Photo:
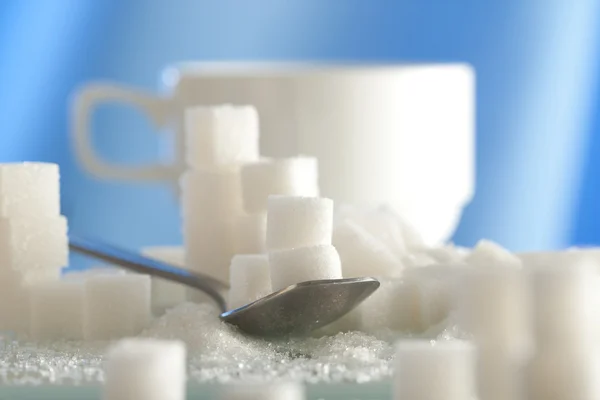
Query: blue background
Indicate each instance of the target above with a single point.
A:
(538, 183)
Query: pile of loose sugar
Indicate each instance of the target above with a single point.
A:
(217, 353)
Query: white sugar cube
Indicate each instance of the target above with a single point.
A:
(31, 248)
(442, 370)
(385, 225)
(487, 253)
(84, 274)
(563, 376)
(564, 296)
(418, 260)
(494, 307)
(250, 234)
(250, 279)
(289, 267)
(448, 254)
(538, 258)
(166, 294)
(15, 310)
(209, 249)
(211, 206)
(290, 177)
(221, 135)
(298, 221)
(116, 306)
(362, 254)
(197, 296)
(437, 287)
(395, 305)
(211, 195)
(29, 190)
(498, 375)
(57, 310)
(145, 369)
(272, 391)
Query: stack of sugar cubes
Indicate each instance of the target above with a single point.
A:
(225, 198)
(299, 235)
(35, 300)
(219, 140)
(33, 238)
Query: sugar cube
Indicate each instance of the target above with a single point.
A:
(166, 294)
(84, 274)
(298, 221)
(437, 287)
(487, 253)
(197, 296)
(146, 369)
(448, 254)
(173, 255)
(57, 310)
(250, 279)
(211, 195)
(537, 258)
(272, 391)
(498, 375)
(116, 306)
(296, 176)
(209, 249)
(558, 375)
(427, 370)
(211, 205)
(494, 308)
(301, 264)
(29, 190)
(30, 248)
(564, 303)
(250, 234)
(386, 225)
(418, 260)
(362, 254)
(15, 310)
(221, 135)
(395, 306)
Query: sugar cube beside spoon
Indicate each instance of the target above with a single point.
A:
(294, 310)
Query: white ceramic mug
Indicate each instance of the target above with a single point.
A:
(396, 134)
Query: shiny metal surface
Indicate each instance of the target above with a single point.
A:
(295, 310)
(301, 308)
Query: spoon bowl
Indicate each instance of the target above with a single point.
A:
(300, 309)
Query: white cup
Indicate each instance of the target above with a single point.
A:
(401, 135)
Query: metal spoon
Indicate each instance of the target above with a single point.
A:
(295, 310)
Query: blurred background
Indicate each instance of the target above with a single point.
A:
(538, 125)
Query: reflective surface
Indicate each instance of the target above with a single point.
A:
(301, 308)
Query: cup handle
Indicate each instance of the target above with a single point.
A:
(156, 108)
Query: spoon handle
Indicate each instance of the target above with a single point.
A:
(144, 265)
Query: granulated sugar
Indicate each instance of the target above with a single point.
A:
(218, 353)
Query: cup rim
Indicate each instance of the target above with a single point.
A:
(172, 73)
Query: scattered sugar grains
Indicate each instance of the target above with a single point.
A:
(218, 353)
